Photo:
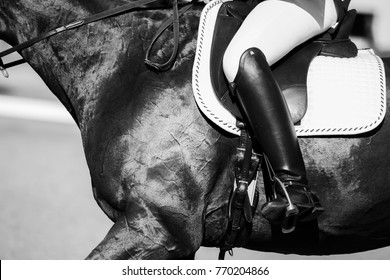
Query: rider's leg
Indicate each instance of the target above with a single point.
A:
(268, 33)
(276, 27)
(264, 107)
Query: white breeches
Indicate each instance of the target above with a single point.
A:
(276, 27)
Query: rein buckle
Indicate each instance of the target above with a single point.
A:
(3, 69)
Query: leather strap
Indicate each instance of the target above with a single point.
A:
(240, 208)
(75, 24)
(161, 67)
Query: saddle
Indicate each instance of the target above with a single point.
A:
(329, 89)
(291, 72)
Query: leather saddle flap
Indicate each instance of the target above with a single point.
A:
(229, 18)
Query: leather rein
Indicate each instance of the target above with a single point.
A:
(174, 20)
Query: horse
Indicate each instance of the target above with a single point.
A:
(162, 172)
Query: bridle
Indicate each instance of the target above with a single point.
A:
(174, 20)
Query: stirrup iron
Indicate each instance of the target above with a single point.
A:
(291, 215)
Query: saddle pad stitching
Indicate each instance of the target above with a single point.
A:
(357, 129)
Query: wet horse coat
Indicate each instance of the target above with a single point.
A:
(159, 170)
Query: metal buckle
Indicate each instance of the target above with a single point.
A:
(3, 69)
(4, 72)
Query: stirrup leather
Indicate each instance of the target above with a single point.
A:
(244, 198)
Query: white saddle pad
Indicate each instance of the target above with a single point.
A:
(345, 95)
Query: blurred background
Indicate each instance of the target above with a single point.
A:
(47, 210)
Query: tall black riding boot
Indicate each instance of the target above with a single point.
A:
(264, 107)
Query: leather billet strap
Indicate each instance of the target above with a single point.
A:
(84, 21)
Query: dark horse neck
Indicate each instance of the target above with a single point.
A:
(101, 46)
(159, 170)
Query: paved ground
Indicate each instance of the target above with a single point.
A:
(46, 206)
(47, 209)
